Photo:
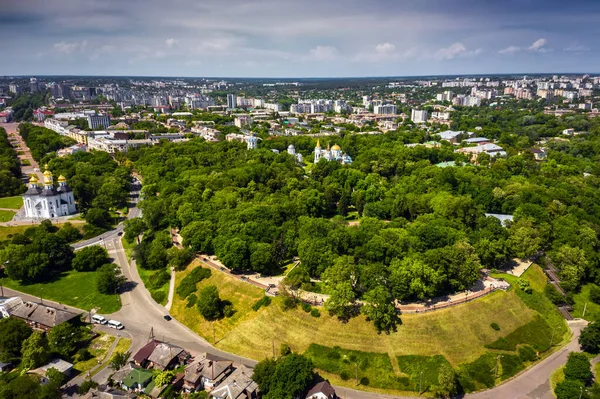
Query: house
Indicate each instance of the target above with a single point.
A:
(159, 355)
(206, 372)
(41, 317)
(322, 390)
(136, 380)
(239, 385)
(453, 136)
(478, 140)
(61, 365)
(104, 392)
(491, 149)
(539, 154)
(8, 304)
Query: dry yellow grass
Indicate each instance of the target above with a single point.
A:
(458, 333)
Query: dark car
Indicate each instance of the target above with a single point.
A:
(167, 317)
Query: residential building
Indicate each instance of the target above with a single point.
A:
(242, 121)
(40, 317)
(321, 390)
(96, 121)
(41, 113)
(238, 385)
(492, 150)
(272, 106)
(539, 154)
(33, 85)
(60, 365)
(159, 355)
(418, 116)
(445, 96)
(231, 101)
(63, 152)
(49, 201)
(585, 106)
(454, 136)
(136, 380)
(6, 115)
(387, 109)
(105, 392)
(14, 88)
(206, 372)
(440, 116)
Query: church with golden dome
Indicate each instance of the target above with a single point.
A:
(331, 154)
(48, 201)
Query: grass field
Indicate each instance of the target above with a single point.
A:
(423, 342)
(7, 232)
(161, 293)
(6, 216)
(11, 202)
(98, 348)
(77, 289)
(592, 310)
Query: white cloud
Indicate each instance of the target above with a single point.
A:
(323, 53)
(70, 47)
(538, 45)
(509, 50)
(382, 52)
(170, 42)
(577, 48)
(385, 48)
(455, 50)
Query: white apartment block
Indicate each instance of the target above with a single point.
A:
(418, 116)
(445, 96)
(95, 121)
(388, 109)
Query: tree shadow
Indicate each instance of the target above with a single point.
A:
(128, 286)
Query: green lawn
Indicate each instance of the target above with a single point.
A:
(161, 294)
(557, 377)
(592, 310)
(128, 248)
(77, 289)
(6, 216)
(11, 202)
(98, 348)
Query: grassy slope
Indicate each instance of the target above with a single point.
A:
(6, 216)
(98, 348)
(592, 310)
(76, 289)
(250, 333)
(11, 202)
(145, 276)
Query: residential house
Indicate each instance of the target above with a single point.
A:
(492, 150)
(104, 392)
(239, 385)
(41, 317)
(206, 372)
(160, 355)
(58, 364)
(539, 154)
(453, 136)
(478, 140)
(136, 380)
(322, 390)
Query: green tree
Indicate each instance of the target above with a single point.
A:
(179, 258)
(55, 377)
(119, 359)
(63, 339)
(590, 338)
(23, 387)
(35, 351)
(98, 217)
(109, 279)
(263, 373)
(235, 254)
(447, 383)
(262, 259)
(578, 368)
(379, 307)
(209, 303)
(13, 332)
(569, 389)
(291, 377)
(90, 258)
(162, 378)
(341, 300)
(134, 228)
(572, 264)
(524, 239)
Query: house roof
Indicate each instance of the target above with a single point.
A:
(323, 387)
(137, 376)
(143, 354)
(58, 364)
(41, 314)
(236, 385)
(207, 366)
(163, 354)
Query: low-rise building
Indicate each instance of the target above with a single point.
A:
(60, 365)
(41, 317)
(159, 355)
(321, 390)
(238, 385)
(206, 372)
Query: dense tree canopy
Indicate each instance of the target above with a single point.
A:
(10, 168)
(42, 141)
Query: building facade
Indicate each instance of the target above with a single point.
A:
(49, 201)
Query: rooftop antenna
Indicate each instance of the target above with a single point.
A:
(151, 336)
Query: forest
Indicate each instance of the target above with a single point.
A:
(10, 168)
(422, 232)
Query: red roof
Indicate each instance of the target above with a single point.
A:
(143, 354)
(5, 113)
(43, 111)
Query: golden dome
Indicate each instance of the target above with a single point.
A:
(336, 148)
(62, 179)
(33, 179)
(318, 143)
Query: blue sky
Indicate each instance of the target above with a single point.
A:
(284, 38)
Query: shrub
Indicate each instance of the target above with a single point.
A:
(228, 310)
(83, 354)
(86, 386)
(344, 375)
(158, 279)
(335, 355)
(364, 381)
(578, 368)
(527, 354)
(288, 303)
(568, 389)
(479, 370)
(264, 301)
(511, 365)
(306, 307)
(284, 349)
(595, 294)
(495, 326)
(554, 296)
(159, 296)
(315, 313)
(590, 338)
(524, 285)
(191, 300)
(188, 284)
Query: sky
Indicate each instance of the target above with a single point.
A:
(307, 38)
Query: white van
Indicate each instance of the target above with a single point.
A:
(98, 319)
(115, 324)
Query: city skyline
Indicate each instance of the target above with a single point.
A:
(270, 38)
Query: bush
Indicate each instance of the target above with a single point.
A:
(554, 296)
(284, 350)
(315, 313)
(590, 338)
(83, 354)
(158, 279)
(568, 389)
(191, 300)
(479, 370)
(288, 303)
(364, 381)
(228, 310)
(595, 294)
(306, 307)
(264, 301)
(86, 386)
(511, 365)
(188, 284)
(527, 354)
(159, 296)
(344, 375)
(495, 326)
(524, 285)
(578, 368)
(209, 303)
